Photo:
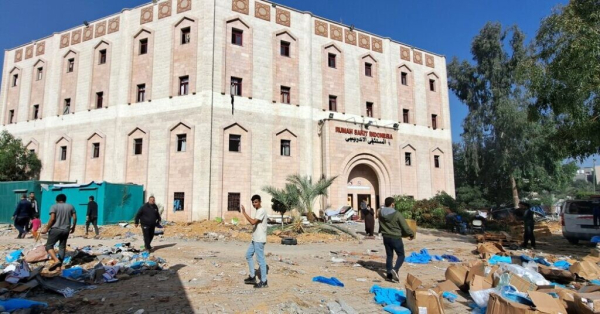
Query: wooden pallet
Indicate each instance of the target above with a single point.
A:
(503, 238)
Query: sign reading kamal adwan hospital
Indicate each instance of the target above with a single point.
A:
(369, 137)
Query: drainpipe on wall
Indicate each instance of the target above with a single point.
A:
(212, 103)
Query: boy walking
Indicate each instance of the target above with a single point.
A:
(58, 228)
(393, 227)
(92, 217)
(257, 246)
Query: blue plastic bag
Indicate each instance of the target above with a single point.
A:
(451, 297)
(450, 258)
(595, 282)
(526, 258)
(388, 296)
(73, 272)
(564, 265)
(396, 309)
(542, 260)
(330, 281)
(13, 256)
(595, 239)
(437, 258)
(495, 259)
(422, 257)
(17, 304)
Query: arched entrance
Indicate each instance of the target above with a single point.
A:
(363, 185)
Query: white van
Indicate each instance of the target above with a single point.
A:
(577, 220)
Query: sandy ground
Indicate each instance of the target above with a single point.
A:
(206, 276)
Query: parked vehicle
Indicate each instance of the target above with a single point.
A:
(343, 214)
(577, 220)
(478, 224)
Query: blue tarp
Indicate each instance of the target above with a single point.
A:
(451, 258)
(419, 258)
(495, 259)
(17, 304)
(13, 256)
(542, 260)
(388, 296)
(330, 281)
(562, 265)
(396, 309)
(451, 297)
(595, 239)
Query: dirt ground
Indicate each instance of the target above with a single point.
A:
(205, 274)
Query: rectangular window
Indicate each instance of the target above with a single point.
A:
(285, 49)
(368, 68)
(96, 150)
(141, 92)
(184, 85)
(237, 37)
(11, 116)
(40, 73)
(407, 160)
(36, 111)
(434, 121)
(235, 143)
(432, 85)
(99, 99)
(137, 146)
(370, 109)
(32, 151)
(181, 142)
(404, 78)
(186, 35)
(102, 57)
(70, 65)
(15, 80)
(236, 86)
(144, 46)
(67, 108)
(331, 60)
(436, 161)
(233, 202)
(285, 95)
(63, 153)
(332, 103)
(285, 147)
(405, 118)
(178, 201)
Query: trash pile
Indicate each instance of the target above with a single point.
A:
(503, 282)
(26, 272)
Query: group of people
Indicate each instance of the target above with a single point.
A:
(26, 217)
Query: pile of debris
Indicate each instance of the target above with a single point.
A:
(25, 272)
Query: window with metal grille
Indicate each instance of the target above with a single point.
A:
(102, 58)
(436, 161)
(137, 146)
(331, 60)
(284, 49)
(144, 46)
(181, 142)
(96, 150)
(70, 65)
(285, 94)
(370, 109)
(141, 92)
(368, 69)
(236, 86)
(178, 201)
(233, 202)
(235, 143)
(407, 160)
(40, 73)
(63, 153)
(404, 78)
(405, 117)
(332, 103)
(434, 121)
(186, 35)
(286, 147)
(67, 108)
(99, 99)
(184, 85)
(237, 37)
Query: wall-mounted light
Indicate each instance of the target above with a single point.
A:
(396, 126)
(331, 116)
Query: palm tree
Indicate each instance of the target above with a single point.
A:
(284, 199)
(308, 192)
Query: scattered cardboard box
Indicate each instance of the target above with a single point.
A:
(522, 284)
(595, 252)
(545, 303)
(490, 247)
(457, 274)
(446, 286)
(477, 269)
(419, 298)
(557, 275)
(589, 289)
(587, 303)
(480, 283)
(586, 270)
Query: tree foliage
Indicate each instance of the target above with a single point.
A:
(565, 76)
(17, 163)
(283, 200)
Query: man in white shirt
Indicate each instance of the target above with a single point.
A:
(257, 246)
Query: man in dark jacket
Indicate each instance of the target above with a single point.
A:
(22, 216)
(529, 224)
(92, 216)
(149, 217)
(393, 227)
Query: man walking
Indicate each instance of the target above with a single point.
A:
(529, 224)
(22, 216)
(149, 217)
(58, 229)
(393, 227)
(92, 217)
(257, 246)
(34, 203)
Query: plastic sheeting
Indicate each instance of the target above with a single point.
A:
(330, 281)
(17, 304)
(422, 257)
(496, 259)
(388, 296)
(564, 265)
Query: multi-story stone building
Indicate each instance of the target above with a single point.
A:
(204, 102)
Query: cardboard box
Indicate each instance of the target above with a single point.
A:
(523, 285)
(457, 274)
(419, 298)
(543, 304)
(480, 283)
(589, 289)
(412, 224)
(446, 286)
(586, 269)
(477, 269)
(490, 247)
(593, 298)
(557, 275)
